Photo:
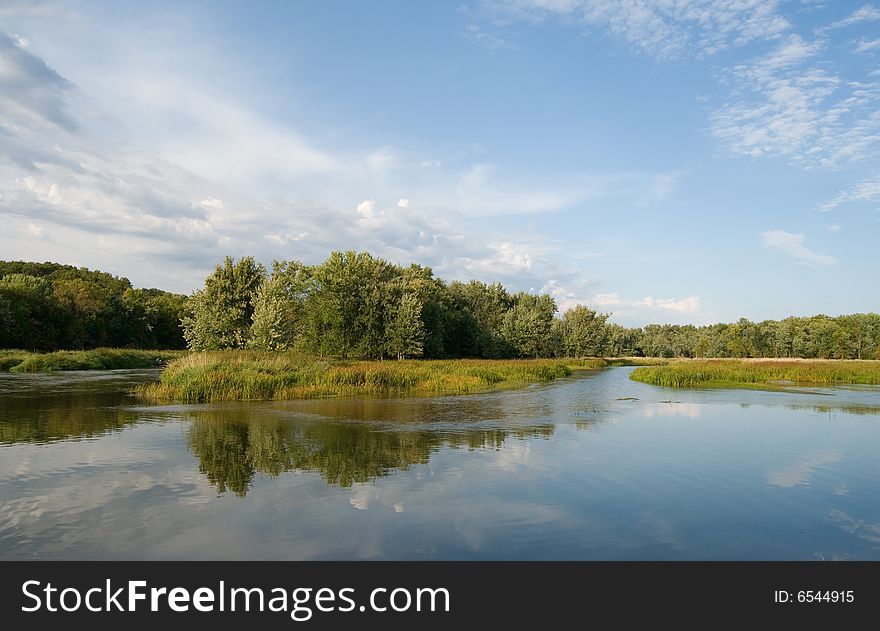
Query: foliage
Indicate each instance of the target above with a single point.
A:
(854, 336)
(355, 305)
(47, 306)
(406, 333)
(275, 311)
(584, 332)
(527, 326)
(219, 315)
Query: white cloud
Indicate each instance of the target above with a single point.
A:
(489, 41)
(662, 186)
(403, 203)
(484, 190)
(866, 191)
(790, 109)
(606, 300)
(835, 227)
(211, 202)
(664, 29)
(626, 311)
(792, 244)
(690, 304)
(478, 192)
(144, 167)
(286, 238)
(790, 103)
(366, 208)
(505, 259)
(867, 45)
(867, 13)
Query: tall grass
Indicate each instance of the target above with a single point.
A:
(95, 359)
(761, 373)
(252, 375)
(12, 357)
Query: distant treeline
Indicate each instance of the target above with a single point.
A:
(357, 305)
(354, 305)
(47, 306)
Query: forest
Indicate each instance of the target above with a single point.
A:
(355, 305)
(48, 307)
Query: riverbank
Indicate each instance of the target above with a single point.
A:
(766, 374)
(95, 359)
(257, 375)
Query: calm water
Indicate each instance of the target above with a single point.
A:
(590, 467)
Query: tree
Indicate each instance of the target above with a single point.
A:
(584, 332)
(32, 316)
(47, 306)
(406, 333)
(527, 327)
(220, 315)
(272, 328)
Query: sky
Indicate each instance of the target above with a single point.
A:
(664, 161)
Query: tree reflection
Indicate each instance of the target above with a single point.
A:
(50, 416)
(231, 451)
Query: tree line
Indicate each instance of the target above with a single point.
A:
(355, 305)
(359, 306)
(47, 306)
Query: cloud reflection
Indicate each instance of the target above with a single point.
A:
(801, 471)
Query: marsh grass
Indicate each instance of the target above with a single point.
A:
(765, 374)
(12, 357)
(255, 375)
(95, 359)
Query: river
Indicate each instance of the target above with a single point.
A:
(594, 466)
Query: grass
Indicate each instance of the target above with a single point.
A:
(95, 359)
(768, 374)
(255, 375)
(10, 358)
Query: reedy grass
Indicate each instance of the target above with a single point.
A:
(94, 359)
(256, 375)
(12, 357)
(770, 374)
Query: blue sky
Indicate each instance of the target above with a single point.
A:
(666, 161)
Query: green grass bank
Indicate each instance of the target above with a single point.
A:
(95, 359)
(257, 375)
(758, 373)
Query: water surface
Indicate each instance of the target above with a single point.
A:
(589, 467)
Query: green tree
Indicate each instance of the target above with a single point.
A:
(273, 326)
(220, 315)
(279, 307)
(585, 333)
(527, 327)
(406, 334)
(32, 315)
